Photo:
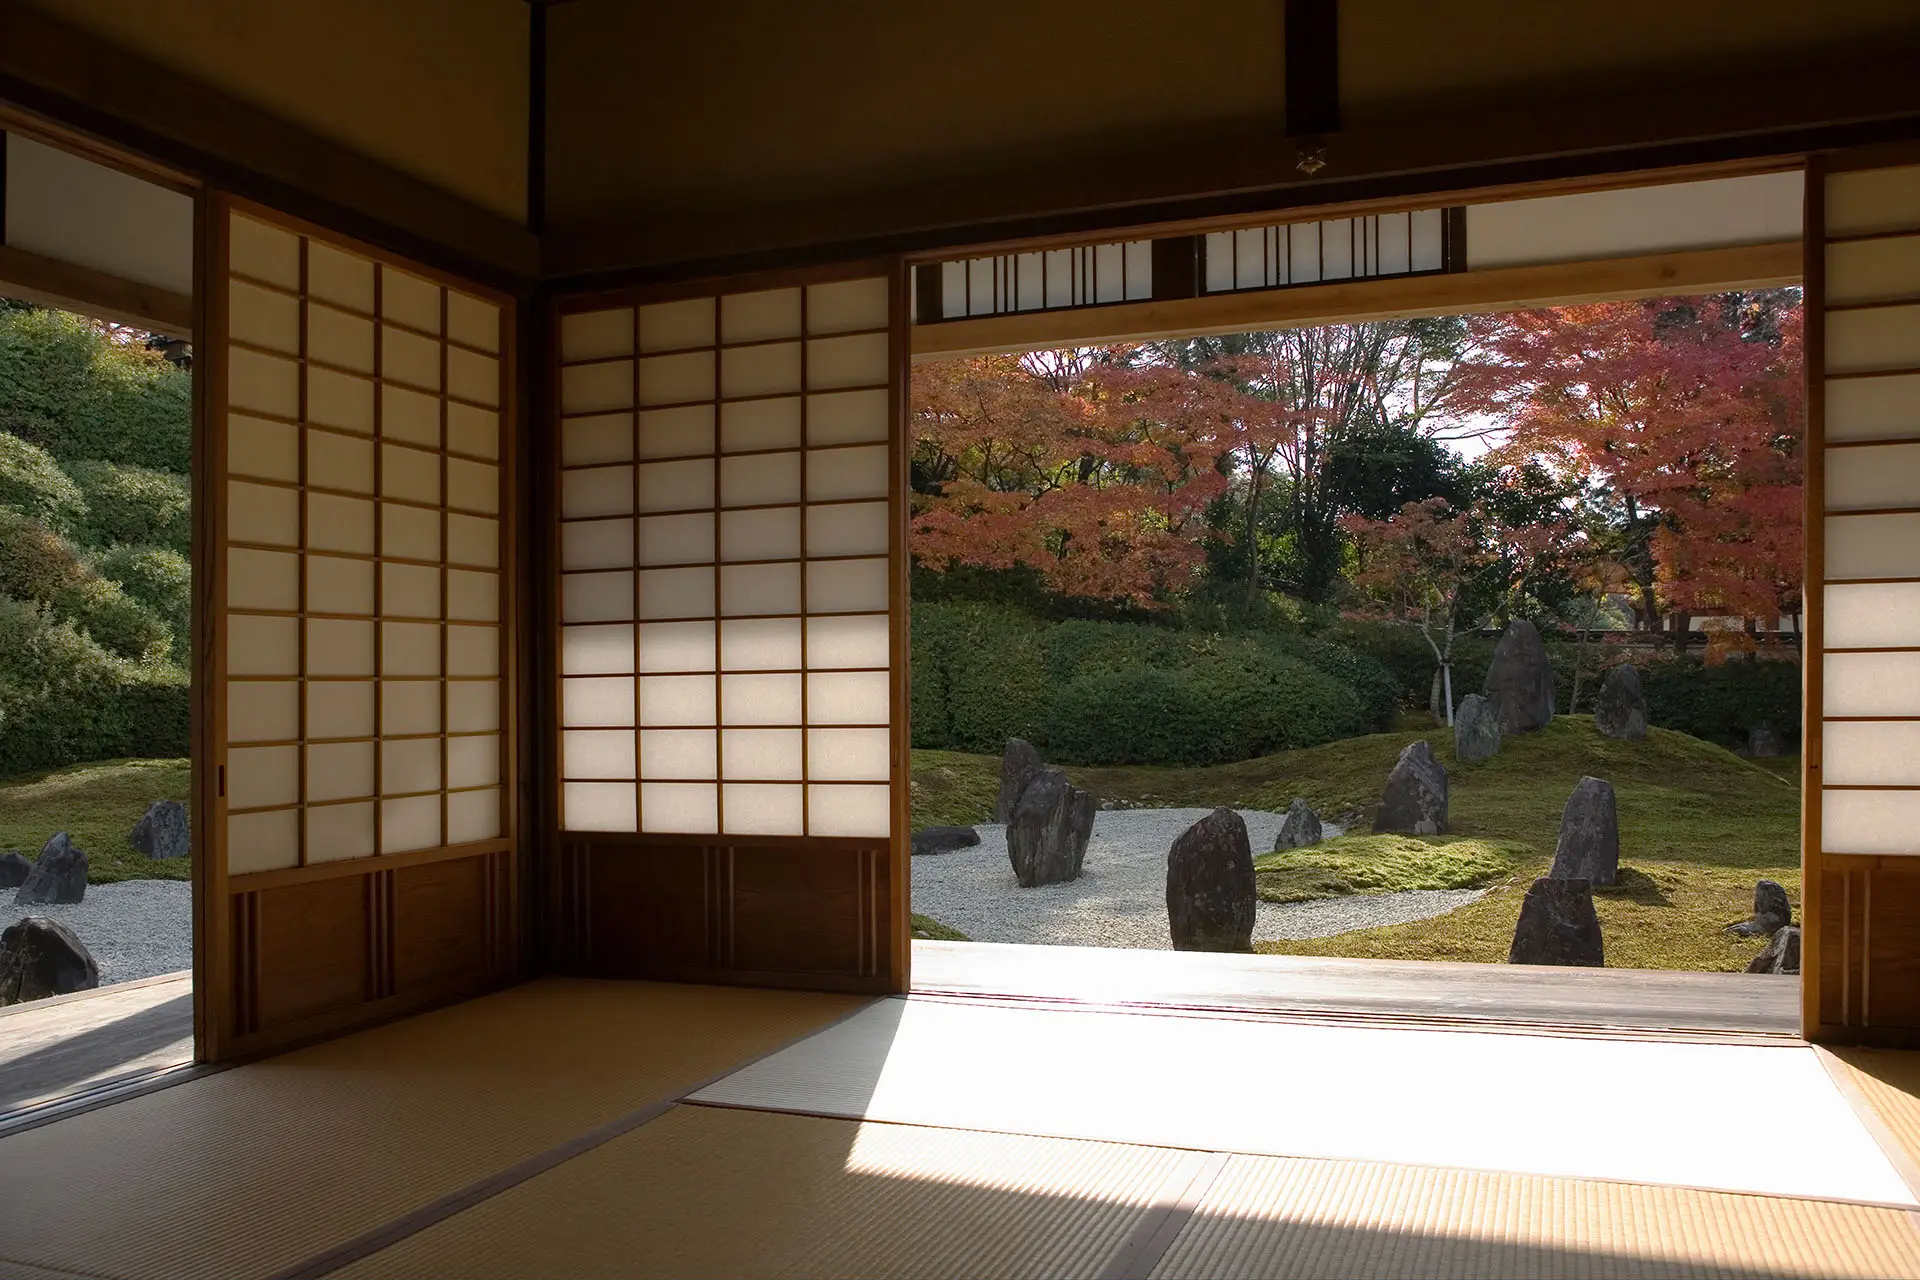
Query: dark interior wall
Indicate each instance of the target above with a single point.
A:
(761, 126)
(436, 89)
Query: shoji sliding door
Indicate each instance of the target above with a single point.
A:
(1862, 797)
(361, 771)
(730, 635)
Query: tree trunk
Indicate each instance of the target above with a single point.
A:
(1446, 681)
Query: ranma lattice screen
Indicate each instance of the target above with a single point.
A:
(363, 645)
(726, 582)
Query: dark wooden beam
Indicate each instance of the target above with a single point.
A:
(54, 283)
(1312, 67)
(63, 80)
(1443, 154)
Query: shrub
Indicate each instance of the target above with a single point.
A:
(1723, 703)
(133, 506)
(1075, 648)
(69, 388)
(1369, 678)
(988, 676)
(64, 699)
(117, 622)
(159, 578)
(33, 484)
(35, 562)
(1233, 704)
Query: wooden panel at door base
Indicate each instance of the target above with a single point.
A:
(1869, 939)
(808, 914)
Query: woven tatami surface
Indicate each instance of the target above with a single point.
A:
(257, 1169)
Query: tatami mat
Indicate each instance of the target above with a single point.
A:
(711, 1192)
(1628, 1110)
(1267, 1217)
(254, 1170)
(1889, 1081)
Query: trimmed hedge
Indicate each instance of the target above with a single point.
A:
(64, 699)
(133, 506)
(1724, 703)
(67, 387)
(1118, 692)
(33, 484)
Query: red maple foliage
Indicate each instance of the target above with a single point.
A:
(1685, 413)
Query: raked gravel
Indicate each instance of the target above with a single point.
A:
(1120, 899)
(134, 928)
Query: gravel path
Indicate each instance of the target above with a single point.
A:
(1120, 899)
(134, 928)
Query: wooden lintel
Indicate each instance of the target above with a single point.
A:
(54, 283)
(1500, 289)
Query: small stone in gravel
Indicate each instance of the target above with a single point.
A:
(1621, 709)
(1558, 925)
(1476, 729)
(1782, 954)
(931, 840)
(59, 876)
(1210, 886)
(162, 831)
(1018, 767)
(1589, 844)
(1415, 802)
(15, 867)
(1301, 828)
(1047, 835)
(41, 957)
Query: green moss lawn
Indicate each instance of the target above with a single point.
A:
(1698, 825)
(97, 804)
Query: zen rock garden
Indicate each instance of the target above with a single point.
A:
(1212, 900)
(42, 956)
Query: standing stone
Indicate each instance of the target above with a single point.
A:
(14, 869)
(162, 831)
(1589, 845)
(1557, 925)
(1300, 828)
(943, 840)
(1210, 888)
(59, 876)
(1771, 911)
(1415, 801)
(41, 957)
(1520, 681)
(1621, 709)
(1476, 729)
(1782, 954)
(1761, 744)
(1018, 767)
(1047, 834)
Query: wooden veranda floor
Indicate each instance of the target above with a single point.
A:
(1639, 1000)
(50, 1049)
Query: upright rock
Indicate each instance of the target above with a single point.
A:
(1782, 954)
(41, 957)
(1415, 801)
(1300, 828)
(1210, 888)
(1047, 834)
(1761, 743)
(15, 867)
(162, 831)
(1476, 730)
(1520, 681)
(59, 876)
(930, 840)
(1771, 911)
(1557, 925)
(1621, 709)
(1018, 767)
(1589, 845)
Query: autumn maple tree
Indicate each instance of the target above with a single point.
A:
(1682, 418)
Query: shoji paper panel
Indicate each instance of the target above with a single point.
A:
(726, 581)
(363, 632)
(1869, 752)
